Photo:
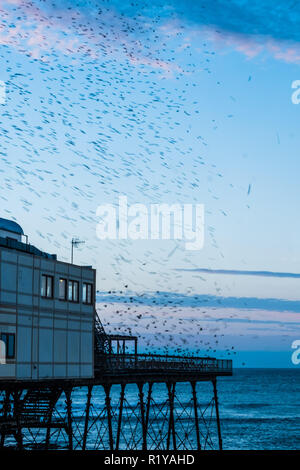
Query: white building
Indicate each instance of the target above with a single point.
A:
(47, 310)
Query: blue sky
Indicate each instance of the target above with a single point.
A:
(189, 102)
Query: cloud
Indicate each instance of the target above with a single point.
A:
(255, 18)
(249, 27)
(138, 31)
(237, 272)
(172, 299)
(79, 29)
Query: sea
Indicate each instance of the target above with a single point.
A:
(260, 409)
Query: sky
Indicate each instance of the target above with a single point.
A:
(164, 102)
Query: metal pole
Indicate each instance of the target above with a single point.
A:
(69, 416)
(148, 404)
(120, 415)
(143, 420)
(87, 415)
(193, 384)
(171, 392)
(214, 382)
(72, 251)
(109, 421)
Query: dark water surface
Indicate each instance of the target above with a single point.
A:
(260, 409)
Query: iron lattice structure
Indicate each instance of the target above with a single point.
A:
(140, 416)
(134, 402)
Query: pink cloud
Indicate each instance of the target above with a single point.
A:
(225, 41)
(37, 34)
(253, 46)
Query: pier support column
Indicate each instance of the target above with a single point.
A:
(109, 420)
(69, 417)
(120, 415)
(143, 418)
(87, 416)
(150, 385)
(214, 382)
(171, 430)
(195, 402)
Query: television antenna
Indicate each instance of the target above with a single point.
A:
(75, 243)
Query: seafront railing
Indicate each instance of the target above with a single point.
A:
(116, 363)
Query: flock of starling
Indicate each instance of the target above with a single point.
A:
(100, 103)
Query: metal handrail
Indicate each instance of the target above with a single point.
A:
(139, 362)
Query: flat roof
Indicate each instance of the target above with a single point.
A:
(13, 244)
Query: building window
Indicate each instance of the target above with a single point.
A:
(73, 291)
(62, 290)
(87, 293)
(9, 341)
(47, 286)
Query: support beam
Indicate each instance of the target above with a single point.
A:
(109, 420)
(195, 402)
(68, 393)
(150, 385)
(214, 382)
(87, 416)
(120, 415)
(171, 430)
(143, 417)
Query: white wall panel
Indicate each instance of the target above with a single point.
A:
(7, 370)
(23, 341)
(45, 345)
(73, 371)
(60, 346)
(24, 371)
(73, 346)
(60, 370)
(45, 371)
(8, 276)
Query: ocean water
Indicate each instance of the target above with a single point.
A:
(260, 409)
